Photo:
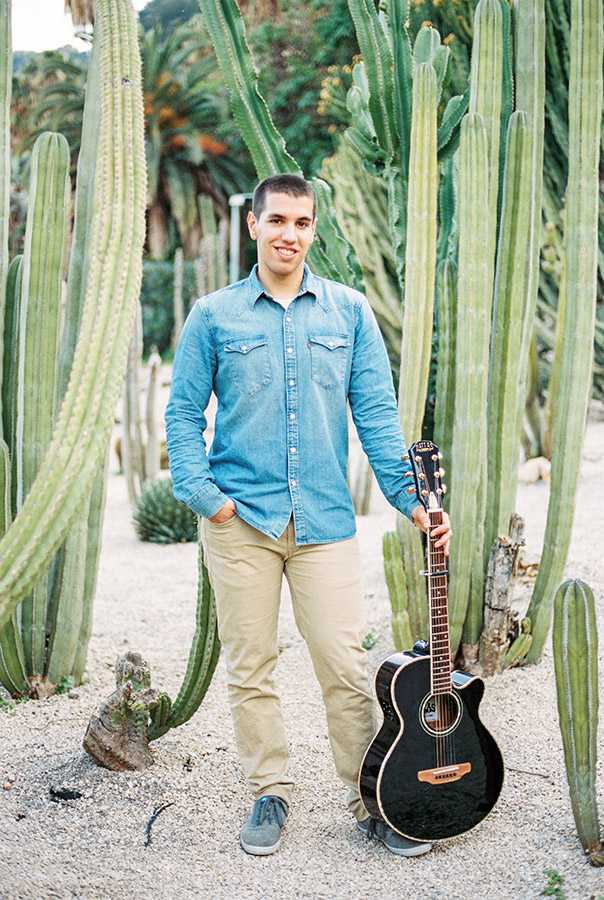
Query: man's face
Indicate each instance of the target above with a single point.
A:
(284, 233)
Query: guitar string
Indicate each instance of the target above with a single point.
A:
(444, 701)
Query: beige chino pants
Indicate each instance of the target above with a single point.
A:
(246, 569)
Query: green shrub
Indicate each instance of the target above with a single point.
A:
(162, 519)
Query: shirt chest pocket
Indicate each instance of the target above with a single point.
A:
(248, 363)
(328, 358)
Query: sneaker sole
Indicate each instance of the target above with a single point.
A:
(414, 851)
(253, 850)
(398, 851)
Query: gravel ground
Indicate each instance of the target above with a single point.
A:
(96, 846)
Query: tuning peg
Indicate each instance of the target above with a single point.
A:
(418, 459)
(405, 457)
(408, 474)
(439, 491)
(425, 493)
(441, 472)
(421, 475)
(411, 491)
(444, 487)
(434, 456)
(440, 456)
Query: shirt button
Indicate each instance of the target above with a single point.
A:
(292, 415)
(292, 383)
(288, 319)
(290, 350)
(331, 343)
(244, 348)
(294, 483)
(293, 449)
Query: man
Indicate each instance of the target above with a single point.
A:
(285, 352)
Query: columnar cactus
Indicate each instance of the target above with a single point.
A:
(576, 323)
(575, 642)
(106, 268)
(203, 657)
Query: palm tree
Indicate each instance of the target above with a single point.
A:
(185, 107)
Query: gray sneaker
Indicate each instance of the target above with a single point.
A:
(396, 843)
(261, 833)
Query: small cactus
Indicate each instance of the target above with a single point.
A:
(575, 642)
(162, 519)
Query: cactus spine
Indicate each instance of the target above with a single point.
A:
(75, 453)
(577, 322)
(575, 643)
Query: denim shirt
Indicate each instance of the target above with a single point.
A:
(282, 379)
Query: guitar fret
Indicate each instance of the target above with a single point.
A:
(439, 614)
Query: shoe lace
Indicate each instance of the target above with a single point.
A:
(269, 810)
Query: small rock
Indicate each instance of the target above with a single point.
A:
(11, 778)
(73, 695)
(7, 785)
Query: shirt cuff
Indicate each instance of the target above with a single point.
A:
(207, 502)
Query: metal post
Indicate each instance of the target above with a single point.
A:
(236, 201)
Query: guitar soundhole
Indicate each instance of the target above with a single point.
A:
(440, 713)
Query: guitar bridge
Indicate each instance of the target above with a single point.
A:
(444, 773)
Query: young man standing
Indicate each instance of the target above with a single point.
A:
(285, 352)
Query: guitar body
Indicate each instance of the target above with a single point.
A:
(433, 771)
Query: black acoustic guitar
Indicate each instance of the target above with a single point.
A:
(433, 771)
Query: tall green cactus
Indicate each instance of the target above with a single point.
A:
(109, 268)
(576, 325)
(203, 658)
(575, 643)
(474, 295)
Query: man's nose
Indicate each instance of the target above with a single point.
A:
(289, 232)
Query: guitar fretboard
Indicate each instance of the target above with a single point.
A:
(440, 654)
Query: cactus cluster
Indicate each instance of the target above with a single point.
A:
(160, 518)
(62, 370)
(482, 240)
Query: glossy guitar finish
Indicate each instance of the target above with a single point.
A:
(403, 748)
(433, 771)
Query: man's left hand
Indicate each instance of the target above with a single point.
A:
(443, 531)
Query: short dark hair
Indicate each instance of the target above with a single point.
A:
(293, 185)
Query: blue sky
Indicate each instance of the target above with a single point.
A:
(43, 25)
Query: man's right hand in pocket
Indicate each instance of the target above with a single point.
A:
(227, 512)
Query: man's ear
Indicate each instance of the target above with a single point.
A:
(251, 225)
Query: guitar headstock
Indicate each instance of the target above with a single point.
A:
(425, 460)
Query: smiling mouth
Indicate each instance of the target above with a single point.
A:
(286, 252)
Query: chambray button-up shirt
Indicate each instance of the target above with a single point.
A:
(282, 379)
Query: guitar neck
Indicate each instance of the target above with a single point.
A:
(440, 652)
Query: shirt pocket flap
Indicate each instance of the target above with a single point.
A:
(245, 345)
(330, 341)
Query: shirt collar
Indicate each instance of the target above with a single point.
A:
(257, 290)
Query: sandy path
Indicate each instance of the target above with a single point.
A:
(94, 847)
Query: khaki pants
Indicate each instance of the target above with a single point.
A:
(246, 570)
